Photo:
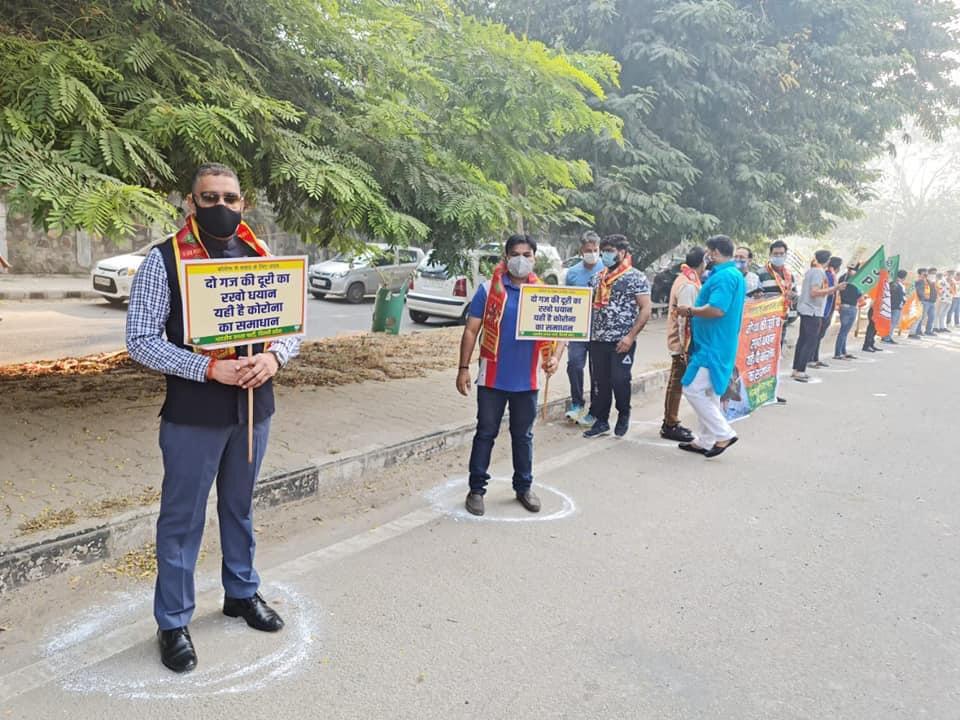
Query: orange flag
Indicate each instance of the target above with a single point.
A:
(881, 304)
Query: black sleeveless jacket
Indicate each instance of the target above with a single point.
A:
(209, 403)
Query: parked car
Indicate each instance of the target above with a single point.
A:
(433, 292)
(356, 275)
(111, 277)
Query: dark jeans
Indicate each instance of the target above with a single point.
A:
(491, 404)
(806, 341)
(611, 373)
(848, 317)
(869, 339)
(954, 312)
(576, 361)
(824, 326)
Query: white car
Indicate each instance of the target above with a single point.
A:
(111, 277)
(433, 292)
(358, 275)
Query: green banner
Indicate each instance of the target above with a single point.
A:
(869, 273)
(893, 266)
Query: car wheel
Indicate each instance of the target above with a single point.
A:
(356, 292)
(418, 317)
(116, 302)
(318, 296)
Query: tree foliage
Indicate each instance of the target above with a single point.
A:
(754, 118)
(398, 119)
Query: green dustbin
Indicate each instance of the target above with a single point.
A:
(388, 310)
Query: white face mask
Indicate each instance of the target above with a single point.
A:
(520, 266)
(591, 258)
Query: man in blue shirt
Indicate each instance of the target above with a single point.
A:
(581, 275)
(716, 334)
(508, 373)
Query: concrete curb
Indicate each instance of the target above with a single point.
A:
(49, 295)
(58, 551)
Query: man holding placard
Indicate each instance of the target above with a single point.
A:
(508, 373)
(204, 425)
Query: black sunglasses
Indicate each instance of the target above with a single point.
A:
(209, 199)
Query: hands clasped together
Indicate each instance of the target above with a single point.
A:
(245, 372)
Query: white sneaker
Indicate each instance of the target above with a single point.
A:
(587, 420)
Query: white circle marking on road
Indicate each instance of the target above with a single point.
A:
(447, 499)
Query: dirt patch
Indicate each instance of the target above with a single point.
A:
(138, 564)
(48, 519)
(118, 503)
(344, 360)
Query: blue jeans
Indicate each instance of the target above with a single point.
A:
(576, 361)
(848, 316)
(954, 312)
(895, 316)
(491, 404)
(193, 457)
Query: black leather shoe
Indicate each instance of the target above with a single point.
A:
(690, 447)
(530, 501)
(475, 504)
(255, 611)
(176, 649)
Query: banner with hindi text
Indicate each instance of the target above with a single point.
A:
(756, 372)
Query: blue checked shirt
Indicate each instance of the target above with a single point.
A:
(147, 317)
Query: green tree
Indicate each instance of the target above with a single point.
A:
(769, 112)
(394, 120)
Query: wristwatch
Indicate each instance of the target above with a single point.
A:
(277, 356)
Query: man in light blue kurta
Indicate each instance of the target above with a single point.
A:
(716, 333)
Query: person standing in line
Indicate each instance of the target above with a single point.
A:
(813, 300)
(849, 299)
(742, 257)
(581, 275)
(870, 336)
(922, 290)
(203, 426)
(944, 300)
(621, 309)
(776, 279)
(898, 294)
(683, 293)
(508, 373)
(930, 305)
(716, 319)
(832, 269)
(954, 312)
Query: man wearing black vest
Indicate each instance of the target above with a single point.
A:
(203, 430)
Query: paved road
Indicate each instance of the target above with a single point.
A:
(40, 330)
(811, 572)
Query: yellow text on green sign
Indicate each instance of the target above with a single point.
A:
(554, 312)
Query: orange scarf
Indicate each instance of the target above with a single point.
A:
(493, 313)
(605, 281)
(187, 245)
(690, 274)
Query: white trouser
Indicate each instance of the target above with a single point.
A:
(714, 427)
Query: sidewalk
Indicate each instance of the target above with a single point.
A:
(74, 462)
(46, 287)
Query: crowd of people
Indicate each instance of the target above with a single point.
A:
(704, 315)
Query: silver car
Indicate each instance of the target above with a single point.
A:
(354, 275)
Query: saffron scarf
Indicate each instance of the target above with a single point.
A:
(187, 245)
(493, 314)
(605, 281)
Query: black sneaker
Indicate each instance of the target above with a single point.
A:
(623, 424)
(599, 428)
(677, 433)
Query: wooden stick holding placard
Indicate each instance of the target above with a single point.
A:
(250, 414)
(546, 385)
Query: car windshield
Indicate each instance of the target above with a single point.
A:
(433, 269)
(142, 252)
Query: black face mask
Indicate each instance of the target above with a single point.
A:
(218, 221)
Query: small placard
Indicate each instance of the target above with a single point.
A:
(240, 301)
(555, 312)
